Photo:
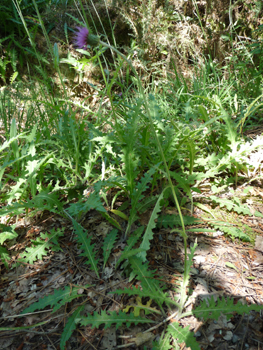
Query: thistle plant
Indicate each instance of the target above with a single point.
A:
(71, 133)
(82, 39)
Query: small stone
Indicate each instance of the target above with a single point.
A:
(198, 334)
(211, 338)
(228, 335)
(230, 325)
(235, 338)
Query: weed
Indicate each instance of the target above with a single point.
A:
(152, 139)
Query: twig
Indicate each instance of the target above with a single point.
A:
(51, 342)
(147, 331)
(87, 339)
(161, 323)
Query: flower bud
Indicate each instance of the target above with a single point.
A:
(84, 38)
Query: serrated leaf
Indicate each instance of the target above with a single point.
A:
(108, 244)
(129, 254)
(148, 235)
(47, 201)
(233, 204)
(158, 297)
(4, 256)
(16, 190)
(79, 209)
(231, 230)
(183, 335)
(86, 246)
(11, 140)
(186, 276)
(56, 300)
(37, 251)
(13, 77)
(163, 344)
(142, 185)
(139, 306)
(70, 326)
(223, 202)
(94, 202)
(174, 220)
(32, 165)
(8, 232)
(241, 209)
(182, 181)
(132, 240)
(211, 308)
(41, 246)
(111, 318)
(146, 276)
(136, 195)
(146, 203)
(14, 209)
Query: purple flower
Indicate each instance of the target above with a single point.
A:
(84, 38)
(81, 38)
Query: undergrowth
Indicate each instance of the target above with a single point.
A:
(153, 146)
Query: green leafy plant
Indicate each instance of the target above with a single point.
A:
(12, 30)
(6, 233)
(7, 59)
(151, 147)
(41, 245)
(235, 205)
(151, 287)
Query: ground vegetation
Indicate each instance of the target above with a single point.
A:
(131, 155)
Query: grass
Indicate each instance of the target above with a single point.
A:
(142, 137)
